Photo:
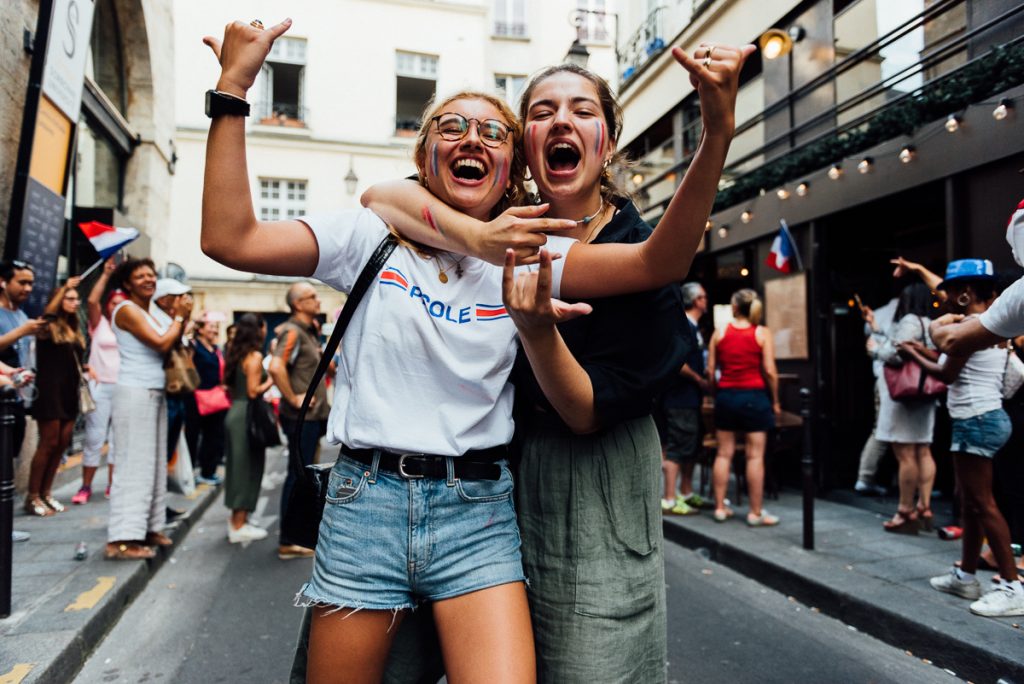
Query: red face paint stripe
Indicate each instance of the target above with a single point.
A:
(429, 218)
(500, 177)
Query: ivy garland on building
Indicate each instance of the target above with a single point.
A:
(1000, 70)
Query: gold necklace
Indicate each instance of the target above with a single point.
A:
(590, 219)
(442, 273)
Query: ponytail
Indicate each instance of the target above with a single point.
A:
(748, 305)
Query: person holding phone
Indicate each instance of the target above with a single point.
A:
(60, 347)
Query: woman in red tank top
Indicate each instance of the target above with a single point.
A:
(746, 400)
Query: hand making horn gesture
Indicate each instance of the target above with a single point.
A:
(242, 53)
(528, 297)
(715, 73)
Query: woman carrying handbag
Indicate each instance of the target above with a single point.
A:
(245, 460)
(204, 420)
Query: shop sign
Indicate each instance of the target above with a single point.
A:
(66, 51)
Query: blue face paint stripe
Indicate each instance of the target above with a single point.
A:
(433, 160)
(600, 137)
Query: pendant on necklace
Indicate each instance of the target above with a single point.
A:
(442, 276)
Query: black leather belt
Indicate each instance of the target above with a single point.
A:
(473, 465)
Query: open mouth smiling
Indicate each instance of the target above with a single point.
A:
(469, 170)
(563, 157)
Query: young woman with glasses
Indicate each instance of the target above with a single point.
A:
(426, 361)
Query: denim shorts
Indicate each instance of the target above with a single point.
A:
(743, 410)
(388, 543)
(981, 435)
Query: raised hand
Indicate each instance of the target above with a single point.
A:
(528, 297)
(903, 267)
(242, 52)
(520, 229)
(715, 73)
(73, 282)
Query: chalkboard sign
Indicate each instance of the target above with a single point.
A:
(42, 226)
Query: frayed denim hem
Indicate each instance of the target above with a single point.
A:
(304, 600)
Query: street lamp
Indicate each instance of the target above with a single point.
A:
(351, 179)
(578, 53)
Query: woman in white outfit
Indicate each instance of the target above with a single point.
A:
(908, 425)
(103, 363)
(140, 415)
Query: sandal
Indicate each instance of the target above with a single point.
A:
(721, 515)
(925, 517)
(903, 522)
(128, 551)
(764, 519)
(36, 506)
(158, 539)
(55, 506)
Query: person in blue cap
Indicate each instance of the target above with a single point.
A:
(980, 428)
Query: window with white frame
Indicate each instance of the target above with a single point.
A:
(415, 83)
(281, 79)
(510, 18)
(509, 87)
(281, 199)
(594, 21)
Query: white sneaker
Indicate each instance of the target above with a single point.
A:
(1002, 602)
(952, 584)
(245, 533)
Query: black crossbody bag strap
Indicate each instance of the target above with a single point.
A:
(363, 282)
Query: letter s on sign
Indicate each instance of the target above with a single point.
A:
(72, 25)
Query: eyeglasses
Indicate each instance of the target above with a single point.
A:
(455, 127)
(22, 265)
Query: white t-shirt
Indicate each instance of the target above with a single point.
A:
(1005, 317)
(979, 387)
(424, 364)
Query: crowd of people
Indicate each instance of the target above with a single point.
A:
(420, 506)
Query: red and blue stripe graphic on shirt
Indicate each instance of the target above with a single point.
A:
(491, 312)
(441, 310)
(392, 276)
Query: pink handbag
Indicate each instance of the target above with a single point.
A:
(215, 399)
(909, 382)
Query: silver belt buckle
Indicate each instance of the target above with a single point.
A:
(401, 467)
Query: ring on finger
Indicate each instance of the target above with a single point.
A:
(707, 61)
(257, 24)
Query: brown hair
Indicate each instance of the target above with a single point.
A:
(612, 110)
(65, 327)
(748, 305)
(517, 169)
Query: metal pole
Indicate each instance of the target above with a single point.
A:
(8, 399)
(807, 469)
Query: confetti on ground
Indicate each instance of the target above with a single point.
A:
(707, 571)
(926, 661)
(815, 610)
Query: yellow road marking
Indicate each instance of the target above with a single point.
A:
(89, 599)
(18, 673)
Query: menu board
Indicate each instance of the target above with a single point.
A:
(42, 226)
(785, 303)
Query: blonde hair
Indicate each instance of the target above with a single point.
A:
(747, 304)
(517, 168)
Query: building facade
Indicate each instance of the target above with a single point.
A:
(874, 129)
(338, 104)
(123, 159)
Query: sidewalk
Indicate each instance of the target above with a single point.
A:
(61, 608)
(871, 580)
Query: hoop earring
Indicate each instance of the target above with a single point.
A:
(963, 300)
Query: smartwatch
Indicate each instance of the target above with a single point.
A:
(223, 104)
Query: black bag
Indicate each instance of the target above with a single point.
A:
(301, 522)
(261, 425)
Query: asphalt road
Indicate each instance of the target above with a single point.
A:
(223, 613)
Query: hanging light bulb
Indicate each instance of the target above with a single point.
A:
(747, 216)
(723, 232)
(953, 123)
(744, 271)
(835, 172)
(803, 188)
(865, 164)
(708, 226)
(907, 154)
(1003, 110)
(782, 194)
(638, 178)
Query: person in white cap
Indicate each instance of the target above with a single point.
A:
(959, 335)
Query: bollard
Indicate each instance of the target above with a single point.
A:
(8, 399)
(807, 469)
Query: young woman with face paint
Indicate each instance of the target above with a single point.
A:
(427, 357)
(590, 458)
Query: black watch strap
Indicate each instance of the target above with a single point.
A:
(221, 104)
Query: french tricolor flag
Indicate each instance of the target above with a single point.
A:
(784, 252)
(107, 240)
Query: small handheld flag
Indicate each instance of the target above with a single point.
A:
(784, 252)
(107, 240)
